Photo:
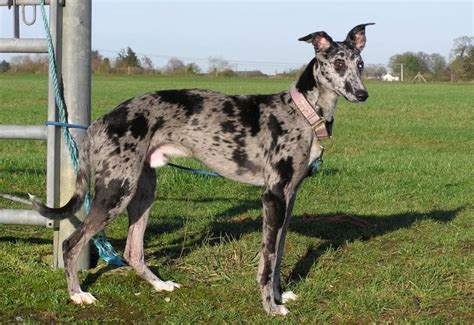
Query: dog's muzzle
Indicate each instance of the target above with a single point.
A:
(361, 95)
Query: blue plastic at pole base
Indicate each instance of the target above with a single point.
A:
(106, 251)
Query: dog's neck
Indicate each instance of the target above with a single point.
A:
(323, 100)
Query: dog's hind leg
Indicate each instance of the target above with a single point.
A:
(108, 202)
(138, 213)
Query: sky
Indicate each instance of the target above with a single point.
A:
(263, 34)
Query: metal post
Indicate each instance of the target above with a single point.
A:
(54, 133)
(76, 67)
(16, 21)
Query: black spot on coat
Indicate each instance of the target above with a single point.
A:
(228, 108)
(348, 87)
(306, 81)
(228, 127)
(139, 126)
(187, 100)
(285, 170)
(250, 112)
(158, 124)
(275, 129)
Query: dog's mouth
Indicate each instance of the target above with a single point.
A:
(355, 98)
(345, 97)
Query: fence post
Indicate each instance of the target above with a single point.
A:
(76, 72)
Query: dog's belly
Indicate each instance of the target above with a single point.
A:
(230, 170)
(159, 156)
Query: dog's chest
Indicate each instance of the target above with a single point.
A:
(315, 152)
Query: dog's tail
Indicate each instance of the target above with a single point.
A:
(82, 187)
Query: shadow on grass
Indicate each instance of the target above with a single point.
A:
(30, 240)
(335, 230)
(339, 229)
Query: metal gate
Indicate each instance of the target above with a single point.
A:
(70, 27)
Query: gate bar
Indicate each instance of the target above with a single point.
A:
(23, 132)
(23, 45)
(9, 3)
(23, 217)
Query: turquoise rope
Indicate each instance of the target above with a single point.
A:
(197, 171)
(106, 251)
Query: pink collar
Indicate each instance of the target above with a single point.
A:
(318, 123)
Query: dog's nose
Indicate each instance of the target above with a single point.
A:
(361, 95)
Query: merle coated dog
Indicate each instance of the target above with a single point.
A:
(264, 140)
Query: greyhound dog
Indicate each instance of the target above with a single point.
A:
(264, 140)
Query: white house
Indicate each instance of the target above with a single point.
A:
(389, 77)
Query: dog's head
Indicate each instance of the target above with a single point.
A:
(339, 65)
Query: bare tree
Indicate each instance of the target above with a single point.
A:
(462, 59)
(192, 68)
(375, 71)
(175, 66)
(147, 63)
(218, 65)
(438, 67)
(96, 60)
(461, 46)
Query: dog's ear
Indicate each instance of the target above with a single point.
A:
(356, 37)
(320, 40)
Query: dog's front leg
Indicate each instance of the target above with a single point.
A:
(276, 214)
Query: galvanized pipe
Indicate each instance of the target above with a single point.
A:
(16, 22)
(23, 132)
(54, 133)
(23, 45)
(76, 71)
(23, 217)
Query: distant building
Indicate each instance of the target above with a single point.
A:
(250, 73)
(389, 77)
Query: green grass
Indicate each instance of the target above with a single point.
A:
(383, 234)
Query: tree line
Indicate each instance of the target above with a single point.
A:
(126, 61)
(432, 66)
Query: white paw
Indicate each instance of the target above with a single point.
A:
(288, 296)
(281, 310)
(275, 309)
(165, 285)
(83, 298)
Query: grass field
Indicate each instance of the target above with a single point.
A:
(385, 232)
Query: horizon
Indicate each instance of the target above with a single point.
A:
(203, 29)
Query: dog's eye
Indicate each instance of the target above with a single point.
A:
(340, 64)
(360, 65)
